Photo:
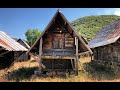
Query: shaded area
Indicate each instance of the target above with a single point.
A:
(21, 73)
(101, 72)
(6, 60)
(26, 73)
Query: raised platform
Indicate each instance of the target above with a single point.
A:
(57, 57)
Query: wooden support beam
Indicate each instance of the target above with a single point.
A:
(72, 64)
(59, 50)
(37, 58)
(58, 57)
(76, 60)
(4, 53)
(40, 53)
(83, 53)
(53, 64)
(85, 45)
(77, 47)
(40, 47)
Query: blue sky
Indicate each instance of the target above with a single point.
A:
(16, 21)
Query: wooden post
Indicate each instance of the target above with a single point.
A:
(72, 64)
(91, 56)
(76, 60)
(40, 53)
(4, 53)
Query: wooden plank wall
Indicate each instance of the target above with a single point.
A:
(69, 41)
(108, 54)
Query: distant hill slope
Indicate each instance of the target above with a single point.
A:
(88, 26)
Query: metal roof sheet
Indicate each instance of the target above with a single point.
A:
(10, 44)
(16, 39)
(109, 34)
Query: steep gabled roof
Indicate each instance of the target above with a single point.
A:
(109, 34)
(7, 43)
(69, 26)
(26, 45)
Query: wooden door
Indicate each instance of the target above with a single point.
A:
(61, 43)
(58, 41)
(55, 43)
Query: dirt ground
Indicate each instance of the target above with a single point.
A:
(25, 69)
(22, 69)
(16, 66)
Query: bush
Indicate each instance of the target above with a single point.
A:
(100, 71)
(21, 73)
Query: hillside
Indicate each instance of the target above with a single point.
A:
(88, 26)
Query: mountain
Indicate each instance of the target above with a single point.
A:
(88, 26)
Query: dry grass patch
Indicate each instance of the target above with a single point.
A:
(89, 72)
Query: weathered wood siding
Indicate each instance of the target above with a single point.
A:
(58, 41)
(108, 54)
(69, 41)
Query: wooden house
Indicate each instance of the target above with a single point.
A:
(8, 48)
(59, 46)
(106, 44)
(24, 56)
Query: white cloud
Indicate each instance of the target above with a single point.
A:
(110, 11)
(117, 12)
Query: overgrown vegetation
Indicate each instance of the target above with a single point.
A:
(88, 26)
(101, 72)
(23, 73)
(88, 72)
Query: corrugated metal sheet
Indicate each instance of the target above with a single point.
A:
(10, 44)
(108, 35)
(22, 41)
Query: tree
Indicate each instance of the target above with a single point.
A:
(32, 35)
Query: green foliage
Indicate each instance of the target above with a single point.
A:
(88, 26)
(21, 74)
(32, 35)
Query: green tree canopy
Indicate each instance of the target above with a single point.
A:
(32, 35)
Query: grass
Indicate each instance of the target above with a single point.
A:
(23, 73)
(89, 72)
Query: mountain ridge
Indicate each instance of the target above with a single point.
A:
(88, 26)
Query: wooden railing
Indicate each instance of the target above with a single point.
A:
(59, 52)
